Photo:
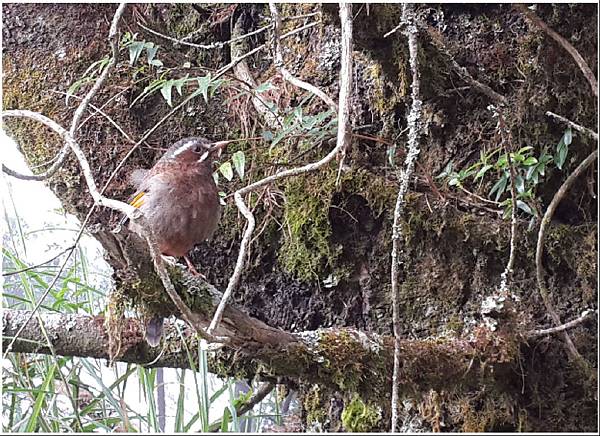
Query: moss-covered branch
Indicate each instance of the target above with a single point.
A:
(345, 359)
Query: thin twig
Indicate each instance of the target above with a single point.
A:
(285, 73)
(218, 44)
(507, 144)
(415, 129)
(235, 61)
(344, 110)
(29, 268)
(540, 248)
(579, 60)
(394, 30)
(575, 126)
(569, 325)
(439, 41)
(245, 407)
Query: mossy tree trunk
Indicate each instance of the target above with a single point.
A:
(321, 258)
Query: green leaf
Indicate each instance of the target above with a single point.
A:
(568, 136)
(32, 424)
(446, 171)
(524, 207)
(226, 170)
(500, 186)
(267, 86)
(75, 87)
(179, 84)
(482, 171)
(454, 180)
(203, 84)
(225, 420)
(520, 184)
(524, 149)
(531, 171)
(135, 49)
(561, 154)
(502, 161)
(517, 157)
(239, 161)
(165, 90)
(151, 50)
(530, 161)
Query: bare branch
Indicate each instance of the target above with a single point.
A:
(579, 60)
(540, 248)
(236, 60)
(29, 268)
(62, 155)
(285, 73)
(344, 110)
(507, 144)
(575, 126)
(218, 44)
(438, 40)
(415, 129)
(437, 363)
(569, 325)
(243, 408)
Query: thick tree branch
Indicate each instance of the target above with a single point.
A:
(332, 357)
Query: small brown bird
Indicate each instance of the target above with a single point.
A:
(180, 201)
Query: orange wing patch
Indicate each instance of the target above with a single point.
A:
(138, 200)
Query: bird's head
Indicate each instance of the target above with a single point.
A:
(194, 150)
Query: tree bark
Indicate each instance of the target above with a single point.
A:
(337, 357)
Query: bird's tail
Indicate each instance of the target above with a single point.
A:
(154, 329)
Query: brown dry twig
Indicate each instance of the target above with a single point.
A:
(540, 249)
(568, 325)
(439, 41)
(573, 125)
(579, 60)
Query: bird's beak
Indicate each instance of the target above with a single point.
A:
(204, 156)
(218, 147)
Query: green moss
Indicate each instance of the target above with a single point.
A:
(348, 361)
(360, 417)
(314, 405)
(306, 250)
(25, 88)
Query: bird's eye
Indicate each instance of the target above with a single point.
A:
(198, 149)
